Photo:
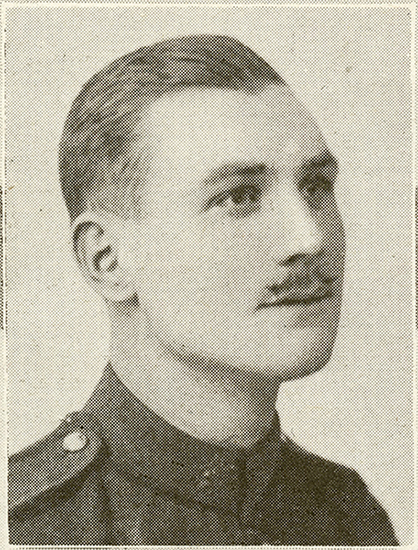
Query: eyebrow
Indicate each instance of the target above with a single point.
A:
(235, 169)
(242, 169)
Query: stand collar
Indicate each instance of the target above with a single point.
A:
(143, 445)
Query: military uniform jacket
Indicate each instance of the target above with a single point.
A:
(117, 474)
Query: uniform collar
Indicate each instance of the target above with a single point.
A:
(143, 445)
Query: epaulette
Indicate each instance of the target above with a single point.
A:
(53, 461)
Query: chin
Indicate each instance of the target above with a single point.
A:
(265, 354)
(302, 358)
(305, 369)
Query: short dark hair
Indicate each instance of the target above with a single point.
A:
(96, 169)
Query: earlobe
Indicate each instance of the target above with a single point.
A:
(96, 247)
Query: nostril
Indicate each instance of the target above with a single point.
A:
(295, 258)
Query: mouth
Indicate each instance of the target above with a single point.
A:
(297, 297)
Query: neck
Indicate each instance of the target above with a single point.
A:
(210, 403)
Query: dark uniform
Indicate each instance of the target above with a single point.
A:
(117, 474)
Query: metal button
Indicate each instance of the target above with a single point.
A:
(75, 441)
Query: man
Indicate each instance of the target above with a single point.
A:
(201, 198)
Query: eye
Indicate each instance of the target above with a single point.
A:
(239, 201)
(316, 187)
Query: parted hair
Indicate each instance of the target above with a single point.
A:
(97, 168)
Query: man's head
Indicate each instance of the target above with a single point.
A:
(203, 208)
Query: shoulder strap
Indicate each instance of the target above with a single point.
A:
(52, 461)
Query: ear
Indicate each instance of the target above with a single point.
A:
(96, 241)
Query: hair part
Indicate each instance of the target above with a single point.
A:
(95, 164)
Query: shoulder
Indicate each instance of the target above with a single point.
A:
(47, 476)
(301, 466)
(325, 485)
(53, 461)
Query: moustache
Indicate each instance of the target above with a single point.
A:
(304, 286)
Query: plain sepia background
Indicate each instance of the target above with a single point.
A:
(351, 66)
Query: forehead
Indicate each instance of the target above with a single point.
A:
(191, 132)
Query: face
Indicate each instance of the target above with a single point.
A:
(237, 252)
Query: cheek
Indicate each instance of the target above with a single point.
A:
(198, 269)
(167, 265)
(232, 264)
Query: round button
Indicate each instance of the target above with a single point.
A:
(75, 441)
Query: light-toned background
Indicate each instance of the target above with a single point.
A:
(351, 67)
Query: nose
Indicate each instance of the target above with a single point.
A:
(297, 231)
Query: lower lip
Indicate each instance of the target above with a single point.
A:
(303, 313)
